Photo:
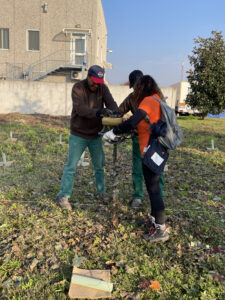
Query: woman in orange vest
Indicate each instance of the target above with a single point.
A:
(148, 106)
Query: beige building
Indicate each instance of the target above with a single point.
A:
(51, 40)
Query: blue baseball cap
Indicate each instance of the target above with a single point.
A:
(96, 73)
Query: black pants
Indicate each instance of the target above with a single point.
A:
(157, 204)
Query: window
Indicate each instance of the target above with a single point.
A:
(4, 38)
(33, 40)
(78, 48)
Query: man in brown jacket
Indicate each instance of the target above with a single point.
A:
(91, 101)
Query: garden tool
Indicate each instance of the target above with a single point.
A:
(109, 123)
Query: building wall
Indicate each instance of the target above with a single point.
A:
(21, 15)
(50, 98)
(7, 21)
(101, 36)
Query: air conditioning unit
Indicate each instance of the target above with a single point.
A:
(74, 74)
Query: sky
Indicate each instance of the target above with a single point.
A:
(157, 36)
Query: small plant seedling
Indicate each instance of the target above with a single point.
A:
(212, 146)
(4, 162)
(81, 162)
(11, 138)
(60, 140)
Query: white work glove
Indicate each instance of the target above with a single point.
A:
(110, 136)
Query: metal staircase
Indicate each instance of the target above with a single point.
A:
(54, 63)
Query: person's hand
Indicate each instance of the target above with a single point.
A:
(126, 117)
(110, 136)
(104, 112)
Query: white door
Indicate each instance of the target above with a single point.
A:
(77, 48)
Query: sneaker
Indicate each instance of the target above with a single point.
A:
(136, 203)
(63, 202)
(157, 234)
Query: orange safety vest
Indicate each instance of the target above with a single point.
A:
(152, 107)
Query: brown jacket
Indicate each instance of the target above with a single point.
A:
(86, 103)
(128, 104)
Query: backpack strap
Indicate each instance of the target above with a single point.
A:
(148, 121)
(156, 98)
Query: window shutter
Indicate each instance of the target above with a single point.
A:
(6, 38)
(34, 40)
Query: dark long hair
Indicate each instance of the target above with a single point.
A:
(146, 86)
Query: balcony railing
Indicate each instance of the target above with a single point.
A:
(13, 71)
(55, 61)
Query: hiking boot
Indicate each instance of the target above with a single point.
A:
(158, 233)
(136, 203)
(63, 202)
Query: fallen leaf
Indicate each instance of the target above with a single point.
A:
(169, 229)
(217, 277)
(114, 270)
(40, 253)
(116, 203)
(139, 232)
(120, 263)
(217, 249)
(179, 252)
(16, 250)
(154, 285)
(55, 266)
(115, 221)
(123, 294)
(110, 263)
(130, 270)
(125, 236)
(33, 264)
(144, 283)
(71, 241)
(30, 255)
(17, 278)
(61, 282)
(58, 247)
(3, 226)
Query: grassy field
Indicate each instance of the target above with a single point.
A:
(38, 241)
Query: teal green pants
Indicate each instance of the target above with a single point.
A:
(77, 145)
(137, 173)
